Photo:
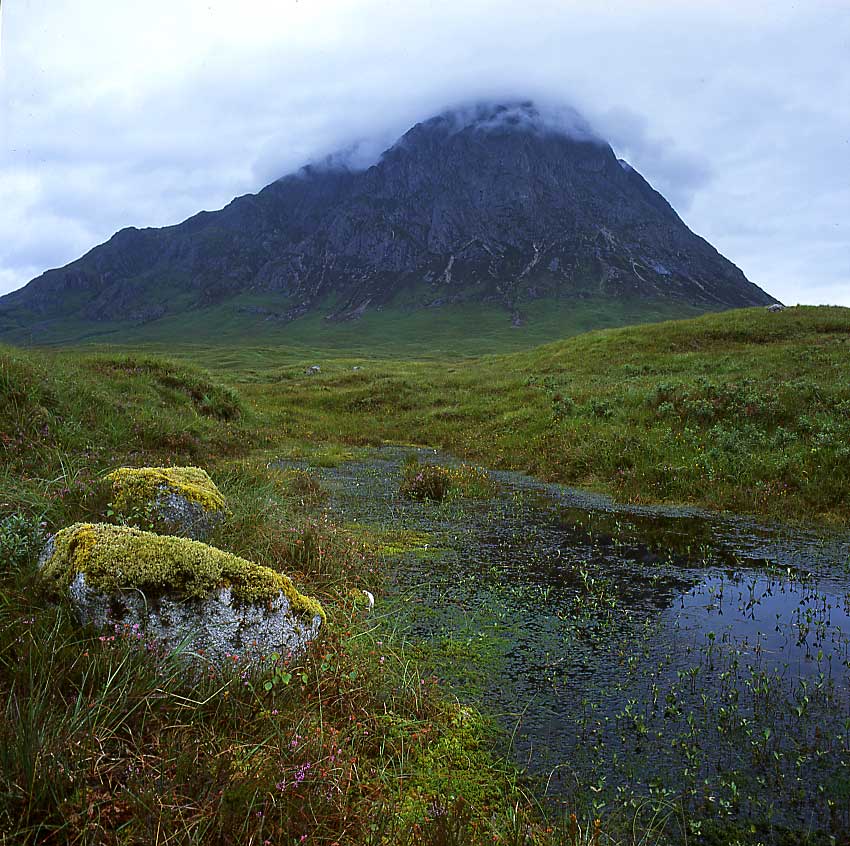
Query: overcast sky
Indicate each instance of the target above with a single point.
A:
(121, 114)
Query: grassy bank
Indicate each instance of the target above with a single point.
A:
(104, 740)
(747, 411)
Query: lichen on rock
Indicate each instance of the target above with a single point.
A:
(180, 500)
(178, 592)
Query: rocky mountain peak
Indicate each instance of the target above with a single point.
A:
(502, 202)
(519, 116)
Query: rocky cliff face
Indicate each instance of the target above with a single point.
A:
(491, 204)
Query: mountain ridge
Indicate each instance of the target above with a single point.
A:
(496, 204)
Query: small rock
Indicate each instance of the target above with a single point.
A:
(178, 500)
(775, 307)
(178, 593)
(313, 368)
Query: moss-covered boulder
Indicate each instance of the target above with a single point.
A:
(177, 500)
(177, 592)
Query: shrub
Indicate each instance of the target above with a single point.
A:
(562, 406)
(601, 409)
(706, 402)
(436, 482)
(21, 540)
(430, 481)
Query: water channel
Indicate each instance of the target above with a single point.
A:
(633, 654)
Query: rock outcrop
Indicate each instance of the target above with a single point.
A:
(177, 593)
(175, 500)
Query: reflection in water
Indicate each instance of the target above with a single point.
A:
(797, 626)
(633, 652)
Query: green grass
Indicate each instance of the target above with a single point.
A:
(66, 418)
(100, 743)
(746, 410)
(219, 333)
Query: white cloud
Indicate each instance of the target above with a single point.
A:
(117, 114)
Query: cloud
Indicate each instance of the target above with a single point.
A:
(117, 115)
(676, 173)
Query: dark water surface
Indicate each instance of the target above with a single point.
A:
(632, 652)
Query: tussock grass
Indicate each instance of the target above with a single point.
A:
(437, 483)
(746, 410)
(66, 417)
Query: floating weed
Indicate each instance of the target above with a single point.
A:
(665, 667)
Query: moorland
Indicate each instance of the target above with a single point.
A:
(368, 739)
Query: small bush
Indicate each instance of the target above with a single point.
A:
(705, 403)
(562, 406)
(601, 409)
(427, 482)
(436, 482)
(21, 540)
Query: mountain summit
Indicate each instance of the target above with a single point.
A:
(492, 203)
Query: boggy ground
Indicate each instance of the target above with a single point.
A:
(101, 743)
(640, 659)
(747, 411)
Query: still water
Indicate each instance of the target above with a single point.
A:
(632, 654)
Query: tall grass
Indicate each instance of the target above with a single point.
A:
(104, 739)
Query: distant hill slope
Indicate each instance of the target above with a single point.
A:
(492, 204)
(745, 410)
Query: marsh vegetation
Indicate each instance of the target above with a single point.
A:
(538, 658)
(638, 658)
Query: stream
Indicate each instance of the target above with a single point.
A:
(632, 654)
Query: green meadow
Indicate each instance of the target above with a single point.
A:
(744, 411)
(249, 325)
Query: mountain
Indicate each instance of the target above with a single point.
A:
(494, 203)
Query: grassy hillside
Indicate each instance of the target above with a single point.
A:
(745, 410)
(410, 330)
(66, 417)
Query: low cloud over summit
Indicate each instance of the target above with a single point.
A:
(114, 117)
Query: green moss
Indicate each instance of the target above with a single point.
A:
(134, 488)
(119, 557)
(460, 762)
(393, 542)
